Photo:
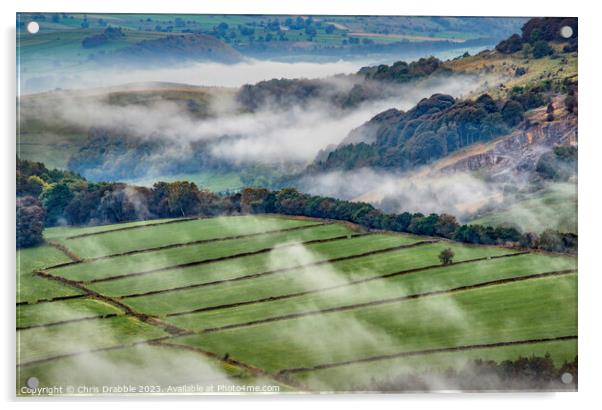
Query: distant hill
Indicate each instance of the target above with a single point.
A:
(176, 48)
(250, 33)
(525, 79)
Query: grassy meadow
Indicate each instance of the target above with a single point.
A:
(296, 303)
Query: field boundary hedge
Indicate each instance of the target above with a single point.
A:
(63, 322)
(74, 258)
(224, 258)
(271, 272)
(351, 283)
(387, 301)
(55, 299)
(83, 352)
(148, 319)
(127, 228)
(257, 371)
(427, 352)
(178, 245)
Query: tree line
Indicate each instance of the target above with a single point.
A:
(52, 197)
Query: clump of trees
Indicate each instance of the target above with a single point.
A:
(536, 35)
(30, 222)
(401, 72)
(435, 127)
(74, 200)
(289, 201)
(446, 256)
(293, 92)
(510, 45)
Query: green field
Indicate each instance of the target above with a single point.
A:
(296, 303)
(553, 208)
(213, 181)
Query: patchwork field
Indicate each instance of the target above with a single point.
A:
(272, 301)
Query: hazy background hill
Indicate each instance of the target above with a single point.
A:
(467, 124)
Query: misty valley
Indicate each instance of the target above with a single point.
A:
(296, 203)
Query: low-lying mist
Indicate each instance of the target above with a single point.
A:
(35, 79)
(459, 194)
(203, 73)
(230, 133)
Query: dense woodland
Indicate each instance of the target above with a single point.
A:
(52, 197)
(440, 125)
(434, 128)
(537, 33)
(369, 83)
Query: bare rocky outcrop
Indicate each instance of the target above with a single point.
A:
(519, 150)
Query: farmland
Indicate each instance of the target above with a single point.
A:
(302, 304)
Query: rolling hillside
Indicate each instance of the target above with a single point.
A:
(300, 303)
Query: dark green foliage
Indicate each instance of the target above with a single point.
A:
(548, 29)
(539, 32)
(80, 202)
(30, 222)
(554, 241)
(511, 45)
(512, 113)
(435, 127)
(570, 102)
(401, 72)
(487, 103)
(55, 199)
(284, 93)
(529, 99)
(26, 185)
(560, 164)
(541, 49)
(446, 256)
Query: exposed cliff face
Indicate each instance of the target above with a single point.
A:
(518, 151)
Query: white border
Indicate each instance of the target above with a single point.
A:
(590, 99)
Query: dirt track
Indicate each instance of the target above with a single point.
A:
(385, 301)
